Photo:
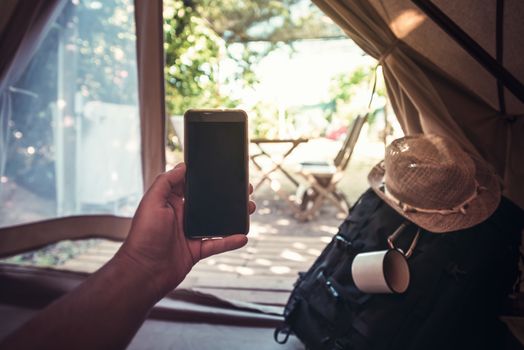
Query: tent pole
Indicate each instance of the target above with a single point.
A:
(499, 52)
(472, 47)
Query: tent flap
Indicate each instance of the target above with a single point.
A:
(150, 50)
(435, 85)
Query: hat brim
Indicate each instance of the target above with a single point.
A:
(479, 209)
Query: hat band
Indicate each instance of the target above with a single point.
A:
(461, 208)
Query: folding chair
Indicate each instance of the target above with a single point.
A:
(323, 177)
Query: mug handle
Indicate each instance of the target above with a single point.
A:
(394, 235)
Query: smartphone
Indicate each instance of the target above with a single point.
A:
(216, 184)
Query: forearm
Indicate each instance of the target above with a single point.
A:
(103, 312)
(107, 309)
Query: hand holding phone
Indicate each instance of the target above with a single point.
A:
(217, 181)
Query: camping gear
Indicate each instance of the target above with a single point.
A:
(431, 181)
(322, 177)
(385, 271)
(458, 283)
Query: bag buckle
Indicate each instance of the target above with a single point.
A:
(344, 242)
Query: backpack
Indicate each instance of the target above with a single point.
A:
(459, 281)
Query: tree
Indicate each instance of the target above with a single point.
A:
(267, 20)
(361, 83)
(193, 52)
(200, 33)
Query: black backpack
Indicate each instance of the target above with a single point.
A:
(459, 281)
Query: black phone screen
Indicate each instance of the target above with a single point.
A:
(216, 179)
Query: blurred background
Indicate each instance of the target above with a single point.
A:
(293, 71)
(288, 65)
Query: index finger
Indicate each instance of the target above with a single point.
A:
(167, 183)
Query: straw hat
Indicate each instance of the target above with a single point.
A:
(432, 182)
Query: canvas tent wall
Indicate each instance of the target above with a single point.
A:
(62, 131)
(435, 85)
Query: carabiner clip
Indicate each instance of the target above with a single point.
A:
(398, 231)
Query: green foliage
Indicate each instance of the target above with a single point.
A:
(193, 51)
(270, 21)
(346, 87)
(262, 120)
(201, 33)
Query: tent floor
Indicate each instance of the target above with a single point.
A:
(161, 334)
(176, 322)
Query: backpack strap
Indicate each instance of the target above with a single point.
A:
(282, 333)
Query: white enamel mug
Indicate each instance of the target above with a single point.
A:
(385, 271)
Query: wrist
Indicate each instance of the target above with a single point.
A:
(136, 274)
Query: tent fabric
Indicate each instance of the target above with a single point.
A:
(148, 19)
(36, 287)
(23, 238)
(175, 335)
(150, 50)
(27, 25)
(8, 6)
(434, 85)
(182, 320)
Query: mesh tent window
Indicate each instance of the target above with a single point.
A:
(80, 130)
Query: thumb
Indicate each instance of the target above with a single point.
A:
(215, 246)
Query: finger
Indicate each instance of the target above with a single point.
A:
(251, 207)
(216, 246)
(167, 182)
(178, 204)
(250, 188)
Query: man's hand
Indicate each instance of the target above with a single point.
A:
(157, 245)
(106, 310)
